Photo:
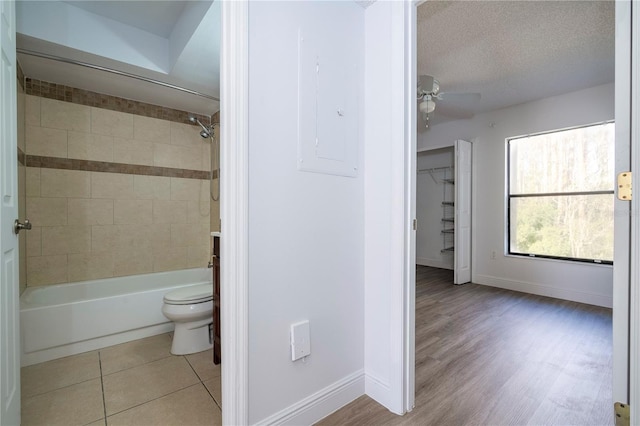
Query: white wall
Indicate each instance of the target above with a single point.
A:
(306, 232)
(568, 280)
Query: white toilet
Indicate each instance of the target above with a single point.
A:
(191, 310)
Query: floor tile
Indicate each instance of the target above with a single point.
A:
(202, 363)
(191, 406)
(78, 404)
(133, 354)
(128, 388)
(215, 389)
(48, 376)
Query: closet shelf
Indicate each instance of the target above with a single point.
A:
(447, 203)
(451, 181)
(448, 249)
(448, 219)
(447, 231)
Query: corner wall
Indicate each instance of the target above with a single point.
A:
(587, 283)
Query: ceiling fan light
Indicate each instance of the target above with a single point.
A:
(427, 106)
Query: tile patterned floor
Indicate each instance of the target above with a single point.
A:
(137, 383)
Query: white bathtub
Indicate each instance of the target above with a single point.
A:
(66, 319)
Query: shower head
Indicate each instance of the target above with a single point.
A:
(206, 130)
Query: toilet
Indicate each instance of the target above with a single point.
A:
(191, 310)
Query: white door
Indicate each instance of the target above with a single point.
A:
(9, 328)
(462, 202)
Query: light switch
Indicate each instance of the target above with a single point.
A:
(300, 340)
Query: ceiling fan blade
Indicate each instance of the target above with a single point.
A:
(459, 97)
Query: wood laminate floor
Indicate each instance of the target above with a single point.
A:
(487, 356)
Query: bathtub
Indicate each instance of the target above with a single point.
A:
(67, 319)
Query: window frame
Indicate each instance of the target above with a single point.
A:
(510, 196)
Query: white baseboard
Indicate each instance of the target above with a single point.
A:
(45, 355)
(546, 290)
(322, 403)
(434, 263)
(379, 391)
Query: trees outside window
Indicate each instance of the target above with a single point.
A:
(560, 194)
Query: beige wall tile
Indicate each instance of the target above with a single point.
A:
(198, 212)
(112, 185)
(131, 262)
(169, 259)
(186, 135)
(86, 146)
(64, 115)
(198, 256)
(165, 155)
(104, 238)
(90, 266)
(46, 142)
(32, 110)
(111, 123)
(152, 187)
(183, 235)
(169, 211)
(131, 151)
(151, 129)
(159, 235)
(34, 241)
(215, 215)
(83, 211)
(127, 212)
(65, 239)
(43, 270)
(47, 211)
(206, 157)
(191, 158)
(65, 183)
(20, 130)
(188, 189)
(32, 176)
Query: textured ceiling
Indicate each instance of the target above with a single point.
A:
(515, 51)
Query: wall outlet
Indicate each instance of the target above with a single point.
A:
(300, 340)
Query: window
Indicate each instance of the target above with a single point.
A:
(561, 193)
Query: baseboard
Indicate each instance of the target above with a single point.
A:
(49, 354)
(379, 391)
(434, 263)
(322, 403)
(546, 290)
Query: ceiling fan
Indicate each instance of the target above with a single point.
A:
(454, 105)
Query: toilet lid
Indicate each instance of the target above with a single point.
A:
(188, 295)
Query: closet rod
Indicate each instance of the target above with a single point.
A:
(113, 71)
(434, 169)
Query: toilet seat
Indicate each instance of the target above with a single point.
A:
(191, 295)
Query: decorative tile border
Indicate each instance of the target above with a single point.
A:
(22, 158)
(20, 75)
(107, 167)
(85, 97)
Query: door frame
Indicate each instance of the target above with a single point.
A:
(234, 197)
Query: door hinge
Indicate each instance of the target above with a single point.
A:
(415, 224)
(622, 414)
(624, 186)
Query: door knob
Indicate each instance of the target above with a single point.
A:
(17, 226)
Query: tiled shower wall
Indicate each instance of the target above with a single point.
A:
(112, 193)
